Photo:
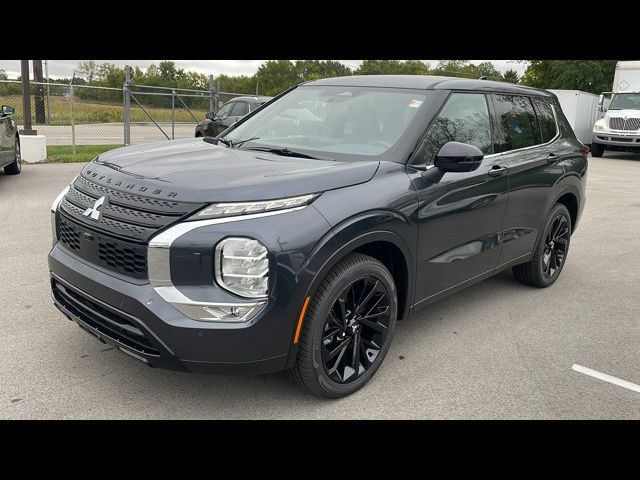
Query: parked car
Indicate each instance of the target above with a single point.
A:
(9, 142)
(228, 114)
(299, 251)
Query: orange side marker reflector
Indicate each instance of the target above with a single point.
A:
(299, 327)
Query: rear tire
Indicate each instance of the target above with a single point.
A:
(347, 329)
(551, 250)
(16, 167)
(597, 149)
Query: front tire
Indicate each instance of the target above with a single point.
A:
(16, 167)
(348, 328)
(597, 149)
(551, 250)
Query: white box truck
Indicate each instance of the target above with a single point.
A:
(619, 129)
(581, 110)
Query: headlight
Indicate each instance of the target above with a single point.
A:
(242, 266)
(54, 209)
(600, 125)
(218, 210)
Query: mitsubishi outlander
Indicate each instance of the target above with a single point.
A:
(298, 237)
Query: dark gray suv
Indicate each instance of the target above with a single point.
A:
(297, 239)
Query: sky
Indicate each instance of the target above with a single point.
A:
(65, 68)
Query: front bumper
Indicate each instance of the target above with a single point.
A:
(624, 140)
(136, 320)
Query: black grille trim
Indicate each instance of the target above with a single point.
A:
(101, 249)
(109, 323)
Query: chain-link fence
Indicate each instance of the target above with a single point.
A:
(70, 114)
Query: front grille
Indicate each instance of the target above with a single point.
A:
(118, 240)
(104, 250)
(619, 123)
(119, 257)
(106, 321)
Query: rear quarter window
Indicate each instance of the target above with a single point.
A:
(547, 119)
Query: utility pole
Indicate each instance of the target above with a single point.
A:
(26, 99)
(39, 96)
(212, 93)
(126, 99)
(46, 72)
(73, 118)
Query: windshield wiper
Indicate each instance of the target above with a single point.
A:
(227, 141)
(215, 141)
(240, 142)
(287, 152)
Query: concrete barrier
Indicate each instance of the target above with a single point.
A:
(33, 148)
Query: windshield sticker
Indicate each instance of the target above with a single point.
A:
(415, 103)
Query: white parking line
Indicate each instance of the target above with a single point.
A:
(606, 378)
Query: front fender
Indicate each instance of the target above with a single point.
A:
(349, 235)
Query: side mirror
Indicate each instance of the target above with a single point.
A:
(601, 103)
(211, 115)
(458, 157)
(7, 110)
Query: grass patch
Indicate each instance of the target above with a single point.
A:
(84, 153)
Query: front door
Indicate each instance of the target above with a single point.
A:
(460, 215)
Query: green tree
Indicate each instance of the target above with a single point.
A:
(169, 73)
(594, 76)
(88, 70)
(510, 76)
(275, 76)
(466, 69)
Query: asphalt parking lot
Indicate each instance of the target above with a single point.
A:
(497, 350)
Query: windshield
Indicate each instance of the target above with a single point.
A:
(624, 101)
(343, 123)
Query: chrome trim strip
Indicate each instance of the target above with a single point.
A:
(160, 271)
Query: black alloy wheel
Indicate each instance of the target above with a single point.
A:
(555, 246)
(355, 329)
(348, 327)
(550, 254)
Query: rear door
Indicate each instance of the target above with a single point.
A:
(528, 145)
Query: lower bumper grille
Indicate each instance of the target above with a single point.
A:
(106, 321)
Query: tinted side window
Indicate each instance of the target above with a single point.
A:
(240, 109)
(547, 119)
(464, 118)
(518, 122)
(224, 110)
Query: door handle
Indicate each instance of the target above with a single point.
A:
(497, 170)
(552, 157)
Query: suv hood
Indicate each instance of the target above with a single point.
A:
(193, 170)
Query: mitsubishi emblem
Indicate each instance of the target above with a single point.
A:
(95, 212)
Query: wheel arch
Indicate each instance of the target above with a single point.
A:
(384, 245)
(569, 196)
